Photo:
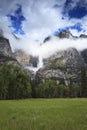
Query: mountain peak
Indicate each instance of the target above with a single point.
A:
(5, 47)
(65, 34)
(83, 36)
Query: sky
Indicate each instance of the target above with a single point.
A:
(34, 20)
(37, 19)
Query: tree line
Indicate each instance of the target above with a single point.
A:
(16, 84)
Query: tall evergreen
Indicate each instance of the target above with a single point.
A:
(83, 83)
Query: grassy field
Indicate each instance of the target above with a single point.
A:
(43, 114)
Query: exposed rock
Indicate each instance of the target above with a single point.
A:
(83, 36)
(19, 58)
(22, 57)
(46, 39)
(65, 34)
(34, 61)
(84, 55)
(6, 59)
(64, 65)
(5, 47)
(6, 55)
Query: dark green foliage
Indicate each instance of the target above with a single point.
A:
(6, 58)
(63, 91)
(35, 85)
(39, 91)
(42, 90)
(83, 83)
(50, 88)
(14, 83)
(57, 63)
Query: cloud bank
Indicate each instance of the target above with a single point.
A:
(37, 19)
(47, 49)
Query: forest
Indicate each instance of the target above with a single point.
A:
(16, 84)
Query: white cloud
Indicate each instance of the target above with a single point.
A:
(47, 49)
(41, 18)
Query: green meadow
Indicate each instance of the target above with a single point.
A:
(43, 114)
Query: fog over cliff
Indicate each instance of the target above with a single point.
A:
(44, 50)
(27, 23)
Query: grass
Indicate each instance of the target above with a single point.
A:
(43, 114)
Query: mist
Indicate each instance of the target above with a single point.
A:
(45, 50)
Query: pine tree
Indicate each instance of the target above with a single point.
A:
(83, 83)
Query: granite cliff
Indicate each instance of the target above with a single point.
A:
(5, 48)
(65, 65)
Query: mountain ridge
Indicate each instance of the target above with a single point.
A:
(62, 65)
(65, 34)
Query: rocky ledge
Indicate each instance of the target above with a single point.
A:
(64, 65)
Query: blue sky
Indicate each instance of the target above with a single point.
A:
(77, 27)
(39, 18)
(16, 20)
(78, 11)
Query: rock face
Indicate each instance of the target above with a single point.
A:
(64, 65)
(83, 36)
(1, 33)
(62, 35)
(22, 57)
(6, 55)
(19, 58)
(34, 61)
(84, 55)
(65, 34)
(46, 39)
(5, 47)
